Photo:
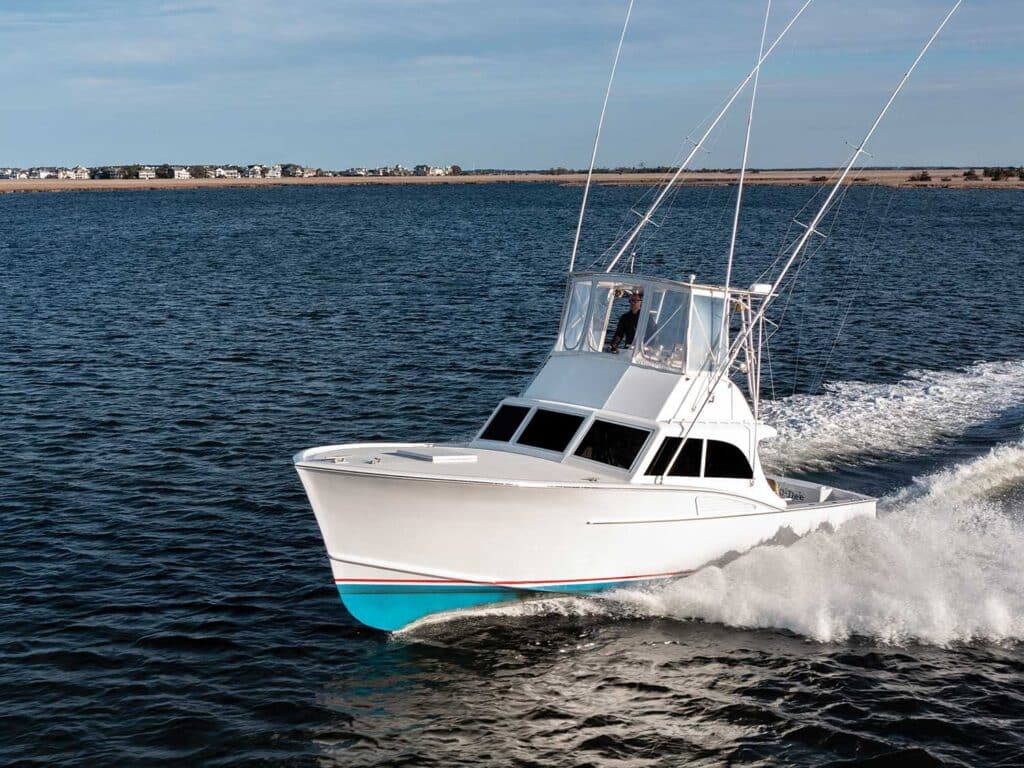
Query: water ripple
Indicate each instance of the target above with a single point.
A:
(165, 595)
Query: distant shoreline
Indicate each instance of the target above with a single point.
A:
(941, 178)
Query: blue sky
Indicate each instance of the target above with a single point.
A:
(515, 84)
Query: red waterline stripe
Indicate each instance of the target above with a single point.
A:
(511, 583)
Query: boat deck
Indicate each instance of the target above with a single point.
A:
(449, 462)
(801, 493)
(459, 463)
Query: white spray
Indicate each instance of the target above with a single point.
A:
(944, 563)
(855, 418)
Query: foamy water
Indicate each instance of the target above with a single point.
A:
(853, 418)
(944, 563)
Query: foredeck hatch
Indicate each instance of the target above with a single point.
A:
(438, 455)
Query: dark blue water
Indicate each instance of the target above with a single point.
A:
(164, 593)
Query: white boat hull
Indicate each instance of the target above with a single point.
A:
(404, 547)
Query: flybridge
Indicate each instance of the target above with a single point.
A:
(666, 366)
(678, 326)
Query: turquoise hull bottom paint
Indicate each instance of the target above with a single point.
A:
(392, 606)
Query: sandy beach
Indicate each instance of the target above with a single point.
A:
(945, 178)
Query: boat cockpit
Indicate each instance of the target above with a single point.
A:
(677, 326)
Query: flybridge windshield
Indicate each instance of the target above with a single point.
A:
(657, 324)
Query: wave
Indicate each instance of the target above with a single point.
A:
(941, 565)
(854, 418)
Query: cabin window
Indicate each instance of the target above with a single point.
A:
(614, 444)
(600, 307)
(726, 460)
(664, 343)
(550, 430)
(576, 316)
(688, 463)
(504, 423)
(705, 332)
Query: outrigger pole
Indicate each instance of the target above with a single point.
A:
(597, 139)
(646, 218)
(858, 151)
(811, 229)
(724, 326)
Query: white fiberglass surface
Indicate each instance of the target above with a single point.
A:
(490, 464)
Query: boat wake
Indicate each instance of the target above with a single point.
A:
(941, 565)
(854, 418)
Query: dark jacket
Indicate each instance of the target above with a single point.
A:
(625, 331)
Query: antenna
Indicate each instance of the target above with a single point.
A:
(743, 175)
(597, 138)
(812, 227)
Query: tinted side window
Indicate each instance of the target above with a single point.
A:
(726, 460)
(504, 423)
(551, 430)
(688, 463)
(613, 444)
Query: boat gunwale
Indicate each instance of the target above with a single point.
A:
(855, 498)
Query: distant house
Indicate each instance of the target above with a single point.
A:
(254, 172)
(291, 170)
(22, 174)
(308, 172)
(227, 173)
(356, 172)
(42, 173)
(80, 173)
(431, 170)
(147, 172)
(107, 173)
(274, 172)
(182, 173)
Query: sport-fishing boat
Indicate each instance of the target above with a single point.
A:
(630, 457)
